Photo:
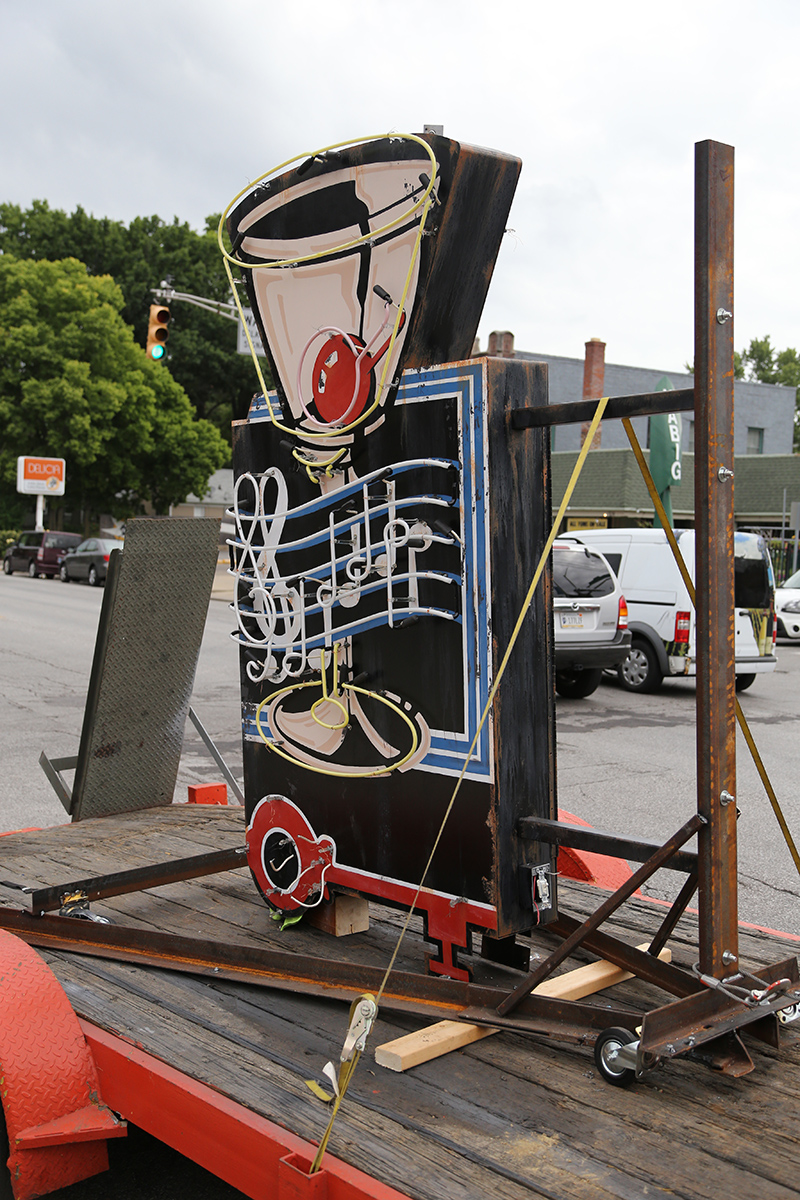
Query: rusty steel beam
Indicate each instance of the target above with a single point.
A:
(713, 467)
(304, 974)
(641, 405)
(600, 914)
(675, 913)
(97, 887)
(643, 964)
(598, 841)
(709, 1013)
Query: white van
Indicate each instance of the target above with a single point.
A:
(661, 617)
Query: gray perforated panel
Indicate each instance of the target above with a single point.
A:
(148, 641)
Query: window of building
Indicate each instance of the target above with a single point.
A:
(755, 440)
(690, 438)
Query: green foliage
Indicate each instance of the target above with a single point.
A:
(7, 538)
(201, 351)
(74, 384)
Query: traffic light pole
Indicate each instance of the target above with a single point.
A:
(220, 308)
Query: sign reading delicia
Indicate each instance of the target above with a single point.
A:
(41, 476)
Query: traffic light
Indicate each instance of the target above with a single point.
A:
(157, 331)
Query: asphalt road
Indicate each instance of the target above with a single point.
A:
(626, 763)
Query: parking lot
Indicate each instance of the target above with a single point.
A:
(626, 762)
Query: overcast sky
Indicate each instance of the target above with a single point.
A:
(133, 107)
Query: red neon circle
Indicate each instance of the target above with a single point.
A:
(341, 388)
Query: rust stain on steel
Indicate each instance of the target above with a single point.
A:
(427, 995)
(716, 729)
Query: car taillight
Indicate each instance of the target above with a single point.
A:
(40, 552)
(106, 557)
(622, 615)
(683, 621)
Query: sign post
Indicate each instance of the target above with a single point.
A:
(41, 477)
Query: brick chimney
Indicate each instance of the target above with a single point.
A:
(594, 371)
(501, 344)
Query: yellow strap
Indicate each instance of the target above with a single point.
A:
(345, 1076)
(740, 717)
(601, 406)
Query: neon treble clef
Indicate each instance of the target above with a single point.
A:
(274, 603)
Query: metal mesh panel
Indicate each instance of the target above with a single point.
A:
(148, 642)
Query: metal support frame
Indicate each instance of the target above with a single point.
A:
(597, 841)
(215, 754)
(52, 768)
(605, 910)
(98, 887)
(713, 871)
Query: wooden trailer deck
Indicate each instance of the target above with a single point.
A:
(510, 1117)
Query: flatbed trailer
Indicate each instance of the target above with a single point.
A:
(217, 1069)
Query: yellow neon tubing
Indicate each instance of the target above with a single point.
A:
(328, 697)
(364, 237)
(423, 202)
(347, 687)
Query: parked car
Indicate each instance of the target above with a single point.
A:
(590, 618)
(89, 560)
(787, 607)
(39, 552)
(661, 614)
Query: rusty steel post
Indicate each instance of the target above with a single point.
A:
(716, 728)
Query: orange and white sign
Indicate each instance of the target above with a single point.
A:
(41, 476)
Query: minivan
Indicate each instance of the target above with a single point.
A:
(661, 616)
(39, 552)
(590, 619)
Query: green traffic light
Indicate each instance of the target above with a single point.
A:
(157, 352)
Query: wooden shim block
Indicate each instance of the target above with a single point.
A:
(344, 915)
(436, 1040)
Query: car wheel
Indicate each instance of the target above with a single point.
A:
(743, 682)
(7, 567)
(32, 569)
(640, 671)
(93, 579)
(577, 685)
(62, 574)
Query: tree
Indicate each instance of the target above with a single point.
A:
(762, 362)
(201, 351)
(74, 384)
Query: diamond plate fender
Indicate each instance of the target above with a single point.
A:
(56, 1121)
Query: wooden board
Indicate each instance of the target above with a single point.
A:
(511, 1117)
(446, 1036)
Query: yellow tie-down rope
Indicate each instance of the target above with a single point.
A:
(740, 717)
(344, 1080)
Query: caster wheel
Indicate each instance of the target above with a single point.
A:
(606, 1049)
(787, 1015)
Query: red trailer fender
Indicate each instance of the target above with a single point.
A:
(56, 1121)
